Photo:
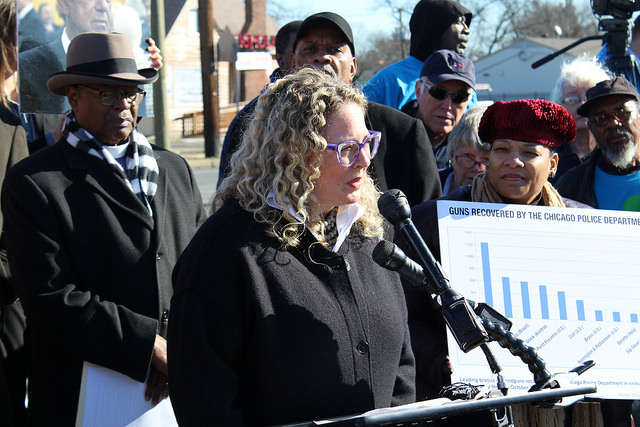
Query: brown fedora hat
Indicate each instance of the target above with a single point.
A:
(100, 58)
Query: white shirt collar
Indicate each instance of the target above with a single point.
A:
(64, 38)
(24, 11)
(117, 151)
(346, 217)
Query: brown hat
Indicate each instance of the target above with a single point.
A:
(100, 58)
(616, 86)
(531, 120)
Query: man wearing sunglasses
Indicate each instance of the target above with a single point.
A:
(446, 84)
(610, 177)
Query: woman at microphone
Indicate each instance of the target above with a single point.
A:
(279, 313)
(524, 136)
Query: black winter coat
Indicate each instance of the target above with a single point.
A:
(261, 335)
(91, 266)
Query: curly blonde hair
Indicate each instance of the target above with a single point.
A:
(282, 152)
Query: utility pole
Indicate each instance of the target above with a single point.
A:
(209, 79)
(402, 33)
(158, 32)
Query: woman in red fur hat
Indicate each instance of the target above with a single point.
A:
(524, 135)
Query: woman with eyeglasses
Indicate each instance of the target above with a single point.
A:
(570, 91)
(523, 135)
(279, 313)
(468, 155)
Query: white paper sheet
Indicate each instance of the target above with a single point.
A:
(109, 398)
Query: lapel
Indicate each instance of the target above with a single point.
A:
(97, 174)
(159, 202)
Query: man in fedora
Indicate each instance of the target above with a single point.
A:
(95, 224)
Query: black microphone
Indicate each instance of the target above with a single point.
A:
(391, 257)
(460, 318)
(394, 206)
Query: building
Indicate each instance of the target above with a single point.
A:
(510, 76)
(243, 30)
(239, 27)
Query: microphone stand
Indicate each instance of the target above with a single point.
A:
(616, 37)
(471, 328)
(563, 50)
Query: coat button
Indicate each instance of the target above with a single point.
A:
(363, 347)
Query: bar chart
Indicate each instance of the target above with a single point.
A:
(569, 284)
(530, 292)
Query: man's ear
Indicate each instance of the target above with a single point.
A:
(72, 93)
(354, 68)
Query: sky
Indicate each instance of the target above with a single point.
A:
(366, 17)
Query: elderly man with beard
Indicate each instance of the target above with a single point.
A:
(610, 177)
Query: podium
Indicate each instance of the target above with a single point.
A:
(409, 414)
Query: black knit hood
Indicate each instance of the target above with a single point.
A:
(429, 21)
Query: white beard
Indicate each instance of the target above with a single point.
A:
(623, 157)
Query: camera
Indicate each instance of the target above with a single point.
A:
(621, 9)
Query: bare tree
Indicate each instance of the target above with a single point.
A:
(381, 52)
(500, 23)
(401, 11)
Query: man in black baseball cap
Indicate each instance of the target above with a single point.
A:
(327, 19)
(405, 159)
(444, 90)
(610, 177)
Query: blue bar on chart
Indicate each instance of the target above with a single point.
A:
(598, 315)
(616, 316)
(544, 302)
(634, 318)
(562, 305)
(580, 308)
(486, 273)
(526, 304)
(506, 293)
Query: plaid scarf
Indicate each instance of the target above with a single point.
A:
(141, 173)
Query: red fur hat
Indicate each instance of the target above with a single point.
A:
(531, 120)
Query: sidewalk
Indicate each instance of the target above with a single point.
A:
(192, 149)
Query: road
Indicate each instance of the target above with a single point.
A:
(206, 177)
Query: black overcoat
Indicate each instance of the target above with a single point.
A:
(91, 266)
(262, 335)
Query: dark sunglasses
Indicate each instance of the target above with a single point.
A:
(440, 93)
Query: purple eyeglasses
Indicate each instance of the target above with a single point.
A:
(349, 151)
